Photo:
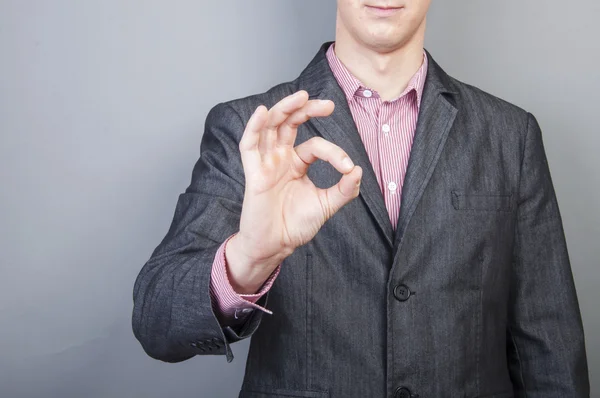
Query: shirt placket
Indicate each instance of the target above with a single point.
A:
(386, 134)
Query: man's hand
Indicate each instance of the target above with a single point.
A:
(282, 208)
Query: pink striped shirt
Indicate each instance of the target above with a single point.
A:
(386, 129)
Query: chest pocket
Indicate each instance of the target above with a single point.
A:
(271, 392)
(481, 201)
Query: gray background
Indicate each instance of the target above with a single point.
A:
(101, 112)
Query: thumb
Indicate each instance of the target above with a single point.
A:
(345, 190)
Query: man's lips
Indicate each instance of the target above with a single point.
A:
(383, 10)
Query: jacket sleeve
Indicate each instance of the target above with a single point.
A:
(545, 341)
(172, 313)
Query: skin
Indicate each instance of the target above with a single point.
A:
(383, 52)
(381, 43)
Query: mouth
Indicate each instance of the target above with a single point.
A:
(383, 10)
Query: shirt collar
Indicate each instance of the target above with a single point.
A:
(351, 86)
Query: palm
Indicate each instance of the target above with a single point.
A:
(295, 209)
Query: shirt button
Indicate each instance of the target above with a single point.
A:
(368, 93)
(385, 128)
(392, 186)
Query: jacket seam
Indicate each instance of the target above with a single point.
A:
(527, 128)
(512, 338)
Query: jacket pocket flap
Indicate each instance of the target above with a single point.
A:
(481, 201)
(273, 392)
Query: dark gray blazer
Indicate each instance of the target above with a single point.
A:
(472, 296)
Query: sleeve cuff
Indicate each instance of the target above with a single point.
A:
(226, 301)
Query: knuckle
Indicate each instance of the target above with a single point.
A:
(318, 140)
(288, 123)
(303, 115)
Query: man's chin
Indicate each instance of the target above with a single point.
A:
(384, 44)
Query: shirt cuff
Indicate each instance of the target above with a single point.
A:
(227, 303)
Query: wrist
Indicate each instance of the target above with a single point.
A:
(247, 273)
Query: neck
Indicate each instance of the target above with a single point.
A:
(387, 72)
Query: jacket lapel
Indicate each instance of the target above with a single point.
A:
(340, 129)
(436, 117)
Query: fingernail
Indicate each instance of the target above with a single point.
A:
(347, 163)
(357, 183)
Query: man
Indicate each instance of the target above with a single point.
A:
(436, 266)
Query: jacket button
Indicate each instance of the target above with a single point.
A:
(402, 392)
(402, 292)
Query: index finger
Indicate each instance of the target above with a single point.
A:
(284, 108)
(313, 108)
